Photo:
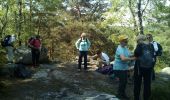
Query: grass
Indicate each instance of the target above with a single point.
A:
(161, 91)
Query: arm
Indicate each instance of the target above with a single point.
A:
(123, 58)
(77, 43)
(95, 56)
(138, 51)
(88, 43)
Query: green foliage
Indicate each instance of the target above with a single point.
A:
(2, 56)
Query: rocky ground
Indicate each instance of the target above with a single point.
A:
(62, 81)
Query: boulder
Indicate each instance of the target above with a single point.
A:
(102, 97)
(166, 70)
(24, 56)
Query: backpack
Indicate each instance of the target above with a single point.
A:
(147, 58)
(159, 52)
(29, 41)
(5, 41)
(105, 70)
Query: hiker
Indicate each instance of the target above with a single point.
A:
(103, 63)
(144, 53)
(35, 45)
(102, 58)
(9, 45)
(122, 57)
(83, 45)
(157, 51)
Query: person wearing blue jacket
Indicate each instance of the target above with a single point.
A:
(122, 58)
(83, 45)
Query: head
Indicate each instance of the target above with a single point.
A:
(99, 52)
(123, 39)
(37, 36)
(141, 39)
(83, 35)
(149, 37)
(13, 35)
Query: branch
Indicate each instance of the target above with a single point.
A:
(145, 7)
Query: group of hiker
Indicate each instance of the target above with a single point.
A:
(144, 58)
(34, 43)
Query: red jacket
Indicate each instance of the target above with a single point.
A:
(36, 43)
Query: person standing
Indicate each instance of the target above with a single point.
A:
(10, 39)
(157, 51)
(35, 45)
(83, 45)
(122, 57)
(144, 54)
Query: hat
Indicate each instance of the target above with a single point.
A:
(122, 37)
(83, 34)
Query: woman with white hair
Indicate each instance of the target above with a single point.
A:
(144, 53)
(83, 45)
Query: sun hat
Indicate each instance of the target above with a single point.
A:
(122, 37)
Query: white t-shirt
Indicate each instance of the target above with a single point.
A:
(105, 57)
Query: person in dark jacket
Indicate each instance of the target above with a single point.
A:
(141, 73)
(157, 51)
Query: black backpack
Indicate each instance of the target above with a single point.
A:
(5, 41)
(147, 58)
(159, 52)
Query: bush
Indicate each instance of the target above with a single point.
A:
(2, 56)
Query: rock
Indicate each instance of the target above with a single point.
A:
(41, 74)
(102, 97)
(166, 70)
(165, 74)
(7, 69)
(23, 55)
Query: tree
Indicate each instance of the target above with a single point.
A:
(90, 9)
(4, 17)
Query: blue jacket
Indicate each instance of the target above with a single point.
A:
(83, 44)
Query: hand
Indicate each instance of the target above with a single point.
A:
(133, 58)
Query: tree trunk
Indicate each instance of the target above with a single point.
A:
(133, 16)
(20, 21)
(140, 18)
(30, 17)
